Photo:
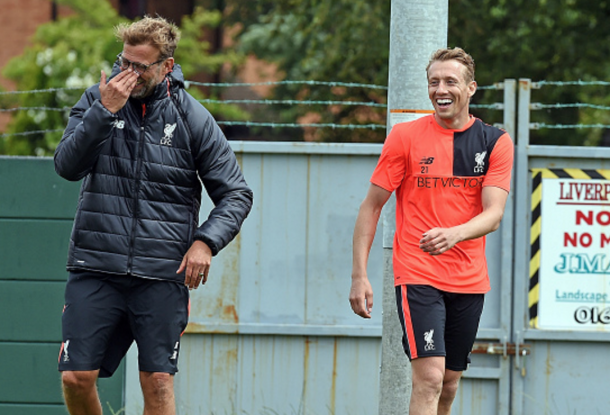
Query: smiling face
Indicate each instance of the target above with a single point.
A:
(155, 74)
(450, 91)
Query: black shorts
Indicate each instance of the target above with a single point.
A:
(105, 313)
(438, 323)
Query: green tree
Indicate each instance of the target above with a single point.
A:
(66, 56)
(340, 41)
(348, 41)
(561, 40)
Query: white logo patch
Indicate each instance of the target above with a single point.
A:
(429, 340)
(66, 357)
(479, 158)
(120, 124)
(175, 354)
(169, 134)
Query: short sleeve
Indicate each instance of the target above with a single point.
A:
(392, 164)
(500, 164)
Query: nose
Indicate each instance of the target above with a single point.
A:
(127, 65)
(133, 68)
(442, 87)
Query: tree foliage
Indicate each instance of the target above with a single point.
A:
(562, 40)
(69, 53)
(342, 41)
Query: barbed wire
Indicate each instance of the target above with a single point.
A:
(322, 83)
(31, 132)
(38, 91)
(570, 83)
(539, 106)
(295, 125)
(187, 83)
(497, 85)
(290, 102)
(495, 106)
(34, 109)
(539, 126)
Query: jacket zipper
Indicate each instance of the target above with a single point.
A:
(141, 139)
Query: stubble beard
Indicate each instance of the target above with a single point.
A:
(146, 88)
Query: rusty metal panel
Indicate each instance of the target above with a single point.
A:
(289, 269)
(255, 374)
(565, 378)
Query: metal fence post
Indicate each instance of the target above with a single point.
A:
(521, 229)
(417, 29)
(510, 107)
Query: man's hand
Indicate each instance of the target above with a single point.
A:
(197, 263)
(361, 297)
(115, 93)
(439, 240)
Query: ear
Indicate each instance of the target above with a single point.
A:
(472, 88)
(168, 65)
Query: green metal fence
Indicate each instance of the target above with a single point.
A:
(36, 212)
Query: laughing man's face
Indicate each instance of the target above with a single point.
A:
(450, 93)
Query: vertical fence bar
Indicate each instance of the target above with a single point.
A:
(510, 107)
(521, 232)
(507, 260)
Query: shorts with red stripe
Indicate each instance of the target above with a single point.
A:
(438, 323)
(105, 313)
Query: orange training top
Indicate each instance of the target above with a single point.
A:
(438, 175)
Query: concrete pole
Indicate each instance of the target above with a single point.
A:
(417, 29)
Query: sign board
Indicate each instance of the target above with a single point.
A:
(574, 242)
(402, 115)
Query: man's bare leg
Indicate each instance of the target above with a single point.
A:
(450, 387)
(80, 392)
(427, 377)
(158, 391)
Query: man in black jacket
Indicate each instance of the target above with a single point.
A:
(144, 147)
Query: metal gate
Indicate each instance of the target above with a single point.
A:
(542, 346)
(562, 247)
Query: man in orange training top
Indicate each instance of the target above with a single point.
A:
(451, 173)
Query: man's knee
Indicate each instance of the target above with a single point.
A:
(157, 384)
(79, 380)
(156, 379)
(428, 378)
(451, 383)
(450, 388)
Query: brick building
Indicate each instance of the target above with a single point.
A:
(20, 18)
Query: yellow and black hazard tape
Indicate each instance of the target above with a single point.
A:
(537, 176)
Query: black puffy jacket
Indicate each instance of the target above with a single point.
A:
(143, 167)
